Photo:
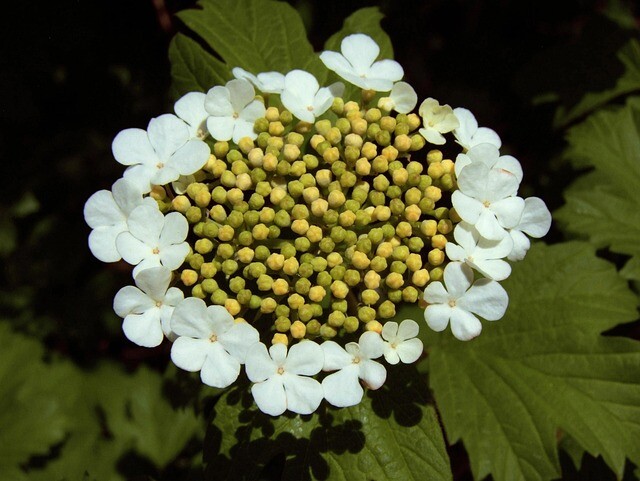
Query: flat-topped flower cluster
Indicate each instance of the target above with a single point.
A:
(281, 231)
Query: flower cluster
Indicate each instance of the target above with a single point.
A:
(301, 220)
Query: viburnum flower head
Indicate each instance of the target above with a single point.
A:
(489, 155)
(403, 99)
(154, 239)
(106, 212)
(147, 307)
(468, 134)
(190, 108)
(479, 253)
(535, 221)
(209, 341)
(401, 342)
(460, 300)
(437, 120)
(233, 110)
(161, 154)
(304, 98)
(282, 378)
(485, 200)
(266, 82)
(352, 363)
(356, 64)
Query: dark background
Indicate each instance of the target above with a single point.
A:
(75, 72)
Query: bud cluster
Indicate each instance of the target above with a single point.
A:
(321, 228)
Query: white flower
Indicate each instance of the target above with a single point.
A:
(266, 82)
(161, 154)
(401, 343)
(357, 64)
(479, 253)
(281, 380)
(485, 200)
(402, 99)
(106, 212)
(437, 120)
(210, 341)
(233, 110)
(154, 239)
(354, 362)
(468, 134)
(147, 308)
(460, 301)
(190, 108)
(490, 156)
(303, 96)
(535, 221)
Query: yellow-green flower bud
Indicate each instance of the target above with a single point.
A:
(280, 287)
(386, 310)
(337, 272)
(347, 218)
(290, 266)
(295, 301)
(403, 229)
(269, 162)
(359, 126)
(370, 297)
(327, 245)
(379, 263)
(381, 213)
(380, 164)
(265, 282)
(398, 266)
(334, 259)
(339, 289)
(236, 284)
(275, 262)
(412, 213)
(445, 226)
(229, 267)
(300, 226)
(260, 232)
(282, 311)
(257, 269)
(435, 170)
(434, 193)
(203, 246)
(394, 280)
(324, 279)
(256, 201)
(417, 142)
(225, 233)
(298, 168)
(429, 227)
(276, 128)
(369, 150)
(193, 214)
(336, 319)
(385, 249)
(331, 154)
(298, 330)
(436, 257)
(438, 241)
(208, 270)
(327, 331)
(219, 297)
(268, 305)
(189, 277)
(280, 338)
(436, 274)
(244, 297)
(195, 260)
(197, 291)
(360, 260)
(286, 117)
(366, 314)
(181, 204)
(282, 324)
(447, 182)
(420, 277)
(305, 269)
(402, 142)
(245, 255)
(410, 294)
(317, 293)
(434, 156)
(261, 253)
(228, 179)
(334, 136)
(209, 286)
(352, 277)
(302, 286)
(414, 262)
(341, 306)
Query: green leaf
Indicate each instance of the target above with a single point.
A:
(257, 35)
(544, 370)
(31, 418)
(367, 21)
(629, 56)
(193, 69)
(393, 434)
(604, 205)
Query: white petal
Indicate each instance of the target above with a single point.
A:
(536, 218)
(127, 195)
(221, 128)
(132, 146)
(167, 133)
(466, 235)
(508, 211)
(335, 61)
(102, 242)
(464, 325)
(131, 300)
(191, 157)
(270, 396)
(242, 128)
(488, 226)
(486, 298)
(457, 278)
(500, 184)
(495, 269)
(404, 97)
(173, 256)
(486, 135)
(258, 364)
(220, 369)
(140, 176)
(304, 394)
(144, 329)
(278, 353)
(408, 329)
(253, 111)
(101, 210)
(335, 357)
(488, 154)
(385, 70)
(372, 373)
(271, 82)
(131, 248)
(437, 316)
(491, 249)
(146, 263)
(239, 339)
(371, 344)
(189, 354)
(361, 51)
(473, 181)
(164, 175)
(174, 230)
(342, 388)
(241, 73)
(305, 357)
(145, 223)
(390, 354)
(433, 136)
(389, 330)
(154, 282)
(190, 108)
(462, 160)
(220, 319)
(322, 101)
(468, 126)
(410, 350)
(241, 92)
(468, 208)
(190, 319)
(510, 164)
(521, 245)
(435, 293)
(218, 103)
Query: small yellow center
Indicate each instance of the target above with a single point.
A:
(452, 303)
(213, 338)
(281, 370)
(158, 303)
(486, 203)
(356, 360)
(159, 165)
(235, 115)
(310, 108)
(156, 250)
